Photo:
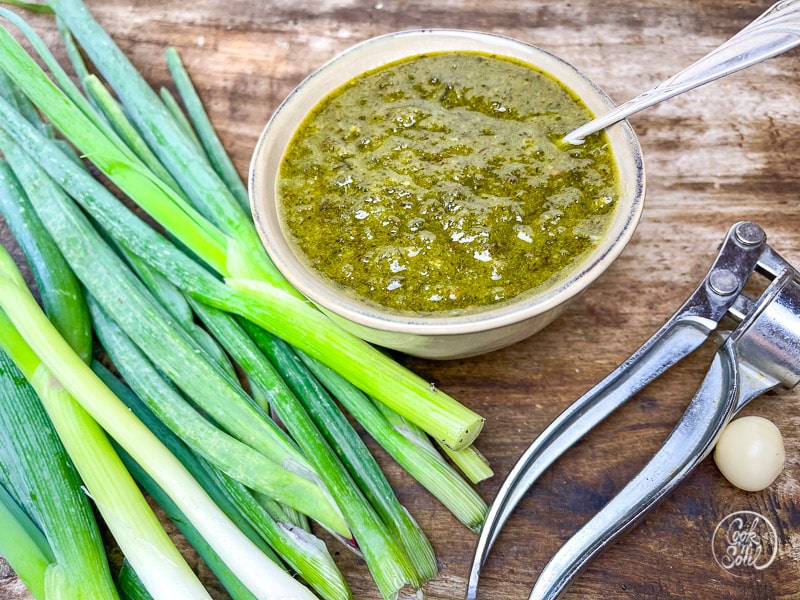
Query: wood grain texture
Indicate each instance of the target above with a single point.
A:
(724, 153)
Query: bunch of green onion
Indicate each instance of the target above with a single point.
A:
(225, 393)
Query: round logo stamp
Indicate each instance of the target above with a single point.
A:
(744, 541)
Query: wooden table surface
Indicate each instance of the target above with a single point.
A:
(724, 153)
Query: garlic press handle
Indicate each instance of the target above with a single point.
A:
(688, 444)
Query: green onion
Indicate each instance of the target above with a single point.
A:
(23, 545)
(303, 552)
(129, 517)
(127, 514)
(177, 114)
(386, 559)
(195, 464)
(46, 477)
(469, 460)
(110, 156)
(256, 571)
(126, 131)
(130, 584)
(166, 138)
(351, 450)
(146, 290)
(31, 6)
(61, 294)
(173, 300)
(236, 459)
(229, 581)
(48, 481)
(62, 80)
(369, 369)
(18, 100)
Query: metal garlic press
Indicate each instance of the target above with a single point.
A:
(761, 353)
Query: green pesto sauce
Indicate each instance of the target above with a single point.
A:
(437, 183)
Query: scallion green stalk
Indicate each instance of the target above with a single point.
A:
(469, 460)
(73, 532)
(194, 463)
(116, 116)
(31, 6)
(173, 300)
(13, 95)
(130, 584)
(177, 114)
(386, 559)
(373, 372)
(166, 138)
(62, 80)
(305, 553)
(205, 130)
(110, 155)
(229, 581)
(421, 461)
(350, 448)
(61, 294)
(45, 473)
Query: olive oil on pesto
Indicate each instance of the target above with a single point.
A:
(438, 183)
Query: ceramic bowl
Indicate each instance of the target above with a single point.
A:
(446, 336)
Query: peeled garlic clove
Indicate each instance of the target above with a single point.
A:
(750, 453)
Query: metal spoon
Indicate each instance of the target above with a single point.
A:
(774, 32)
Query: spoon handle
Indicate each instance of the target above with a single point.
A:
(774, 32)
